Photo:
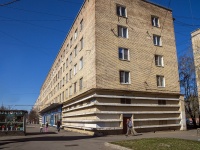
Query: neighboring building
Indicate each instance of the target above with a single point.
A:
(118, 61)
(196, 52)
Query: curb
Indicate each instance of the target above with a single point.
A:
(116, 146)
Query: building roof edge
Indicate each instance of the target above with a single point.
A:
(156, 5)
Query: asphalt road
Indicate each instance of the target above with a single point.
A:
(64, 140)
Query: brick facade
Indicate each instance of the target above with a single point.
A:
(97, 106)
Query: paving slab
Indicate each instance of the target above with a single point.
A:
(64, 140)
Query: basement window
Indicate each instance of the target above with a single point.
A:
(125, 101)
(161, 102)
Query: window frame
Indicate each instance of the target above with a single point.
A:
(70, 91)
(81, 25)
(119, 12)
(71, 41)
(155, 21)
(70, 74)
(157, 40)
(123, 81)
(70, 57)
(80, 83)
(125, 101)
(75, 51)
(75, 88)
(123, 54)
(159, 82)
(75, 69)
(67, 78)
(159, 61)
(81, 63)
(120, 30)
(76, 34)
(81, 44)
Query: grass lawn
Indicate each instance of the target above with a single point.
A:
(159, 144)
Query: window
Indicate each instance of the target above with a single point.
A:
(159, 60)
(81, 63)
(157, 40)
(70, 58)
(125, 101)
(66, 62)
(60, 84)
(66, 77)
(122, 31)
(70, 90)
(63, 96)
(81, 84)
(70, 74)
(161, 102)
(75, 34)
(67, 48)
(124, 77)
(81, 25)
(155, 21)
(66, 93)
(71, 42)
(63, 67)
(75, 69)
(81, 44)
(63, 82)
(160, 81)
(75, 51)
(123, 54)
(75, 87)
(121, 11)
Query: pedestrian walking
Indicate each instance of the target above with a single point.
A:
(46, 126)
(41, 127)
(58, 125)
(129, 127)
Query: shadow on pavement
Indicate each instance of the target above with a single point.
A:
(44, 138)
(39, 133)
(3, 147)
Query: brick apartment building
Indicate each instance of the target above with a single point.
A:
(196, 52)
(118, 61)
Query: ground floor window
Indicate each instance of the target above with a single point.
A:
(48, 118)
(56, 118)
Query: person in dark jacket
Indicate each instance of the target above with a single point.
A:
(58, 125)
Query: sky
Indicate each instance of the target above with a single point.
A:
(32, 32)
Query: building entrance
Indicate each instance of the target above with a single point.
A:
(125, 117)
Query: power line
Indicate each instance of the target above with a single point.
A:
(191, 11)
(11, 36)
(38, 12)
(70, 2)
(8, 3)
(37, 20)
(185, 17)
(186, 24)
(33, 24)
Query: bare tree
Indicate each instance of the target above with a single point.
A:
(189, 86)
(33, 116)
(2, 107)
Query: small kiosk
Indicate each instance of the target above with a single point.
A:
(13, 122)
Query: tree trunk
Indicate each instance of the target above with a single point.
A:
(194, 122)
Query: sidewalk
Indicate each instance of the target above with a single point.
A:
(75, 141)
